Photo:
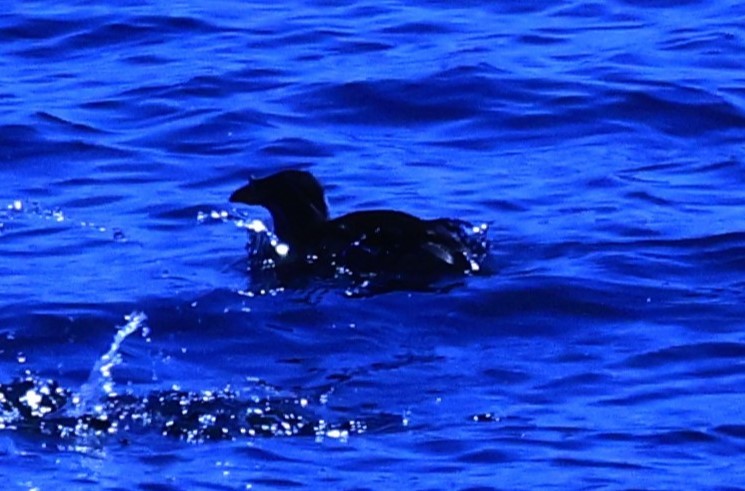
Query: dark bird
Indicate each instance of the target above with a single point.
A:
(360, 243)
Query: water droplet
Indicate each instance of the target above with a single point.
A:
(282, 249)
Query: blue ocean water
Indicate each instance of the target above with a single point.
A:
(602, 142)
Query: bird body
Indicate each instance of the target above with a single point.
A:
(362, 242)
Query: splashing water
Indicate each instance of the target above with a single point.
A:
(100, 382)
(81, 421)
(18, 208)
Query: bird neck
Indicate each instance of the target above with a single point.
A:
(297, 227)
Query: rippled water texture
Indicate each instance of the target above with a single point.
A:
(602, 142)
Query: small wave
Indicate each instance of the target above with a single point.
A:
(436, 99)
(39, 28)
(72, 127)
(21, 144)
(677, 111)
(660, 4)
(295, 147)
(135, 30)
(685, 355)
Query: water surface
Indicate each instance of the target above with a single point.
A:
(601, 142)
